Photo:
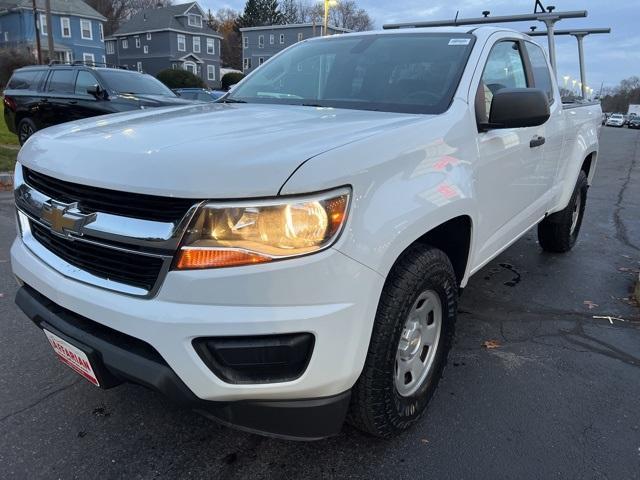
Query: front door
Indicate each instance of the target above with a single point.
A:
(509, 183)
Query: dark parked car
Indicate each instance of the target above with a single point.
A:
(40, 96)
(634, 121)
(199, 94)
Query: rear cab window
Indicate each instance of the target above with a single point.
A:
(26, 80)
(540, 69)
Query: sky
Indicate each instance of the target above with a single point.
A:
(609, 58)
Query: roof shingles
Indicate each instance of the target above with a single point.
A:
(165, 18)
(65, 7)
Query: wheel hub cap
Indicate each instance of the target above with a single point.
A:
(418, 343)
(576, 213)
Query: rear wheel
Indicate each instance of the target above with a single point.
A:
(409, 344)
(558, 232)
(26, 128)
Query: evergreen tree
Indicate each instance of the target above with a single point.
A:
(258, 13)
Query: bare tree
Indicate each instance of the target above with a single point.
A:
(345, 14)
(224, 21)
(118, 11)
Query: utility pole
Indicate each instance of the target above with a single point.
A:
(37, 32)
(47, 8)
(326, 17)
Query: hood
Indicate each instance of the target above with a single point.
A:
(203, 151)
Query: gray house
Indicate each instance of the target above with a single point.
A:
(168, 37)
(261, 43)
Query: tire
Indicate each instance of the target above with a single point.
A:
(382, 402)
(558, 232)
(26, 128)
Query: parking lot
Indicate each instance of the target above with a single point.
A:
(556, 395)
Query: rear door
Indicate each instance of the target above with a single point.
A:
(555, 129)
(510, 178)
(57, 101)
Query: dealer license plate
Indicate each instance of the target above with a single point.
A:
(73, 357)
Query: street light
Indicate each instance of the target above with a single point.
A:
(566, 80)
(327, 5)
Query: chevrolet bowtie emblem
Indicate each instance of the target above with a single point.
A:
(64, 218)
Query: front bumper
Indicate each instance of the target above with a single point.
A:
(117, 358)
(327, 294)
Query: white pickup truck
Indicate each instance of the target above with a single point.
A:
(292, 256)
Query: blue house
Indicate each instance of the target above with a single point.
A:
(77, 29)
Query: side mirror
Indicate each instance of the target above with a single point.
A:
(96, 91)
(517, 108)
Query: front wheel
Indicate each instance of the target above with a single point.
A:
(409, 344)
(558, 232)
(26, 128)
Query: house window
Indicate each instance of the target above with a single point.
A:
(44, 30)
(247, 63)
(260, 61)
(272, 39)
(6, 36)
(139, 66)
(101, 29)
(300, 37)
(211, 72)
(88, 58)
(146, 49)
(245, 42)
(148, 35)
(65, 26)
(111, 48)
(282, 39)
(261, 41)
(195, 20)
(196, 44)
(211, 46)
(182, 43)
(85, 29)
(125, 44)
(137, 42)
(190, 67)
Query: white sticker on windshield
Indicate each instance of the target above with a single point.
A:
(459, 41)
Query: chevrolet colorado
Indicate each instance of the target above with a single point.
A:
(292, 256)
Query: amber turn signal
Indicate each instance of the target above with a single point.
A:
(190, 259)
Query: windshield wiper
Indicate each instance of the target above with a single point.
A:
(232, 100)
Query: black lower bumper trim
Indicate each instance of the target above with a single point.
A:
(117, 357)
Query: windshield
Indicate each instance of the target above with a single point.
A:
(405, 72)
(122, 81)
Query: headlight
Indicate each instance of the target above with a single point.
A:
(249, 232)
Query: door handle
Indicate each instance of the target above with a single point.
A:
(537, 141)
(72, 102)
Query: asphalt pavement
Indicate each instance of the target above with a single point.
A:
(558, 396)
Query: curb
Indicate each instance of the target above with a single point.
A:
(6, 181)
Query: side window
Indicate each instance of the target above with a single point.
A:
(504, 69)
(61, 81)
(84, 81)
(541, 76)
(25, 80)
